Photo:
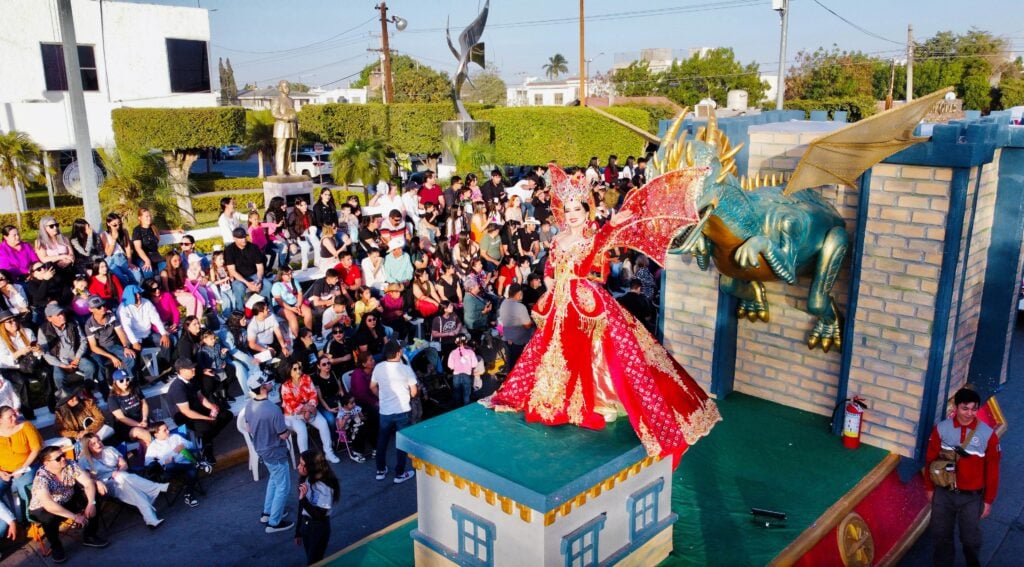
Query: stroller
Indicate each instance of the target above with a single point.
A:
(436, 385)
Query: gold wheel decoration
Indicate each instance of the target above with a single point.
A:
(856, 546)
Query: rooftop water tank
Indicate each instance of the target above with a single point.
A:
(736, 100)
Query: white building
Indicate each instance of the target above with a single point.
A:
(346, 95)
(773, 85)
(260, 99)
(534, 92)
(139, 55)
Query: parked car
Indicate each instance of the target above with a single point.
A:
(312, 165)
(232, 151)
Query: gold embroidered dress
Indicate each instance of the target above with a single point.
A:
(590, 357)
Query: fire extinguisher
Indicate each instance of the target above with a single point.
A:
(853, 422)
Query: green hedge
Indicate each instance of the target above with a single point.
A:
(43, 201)
(856, 108)
(570, 135)
(228, 184)
(30, 219)
(206, 176)
(178, 128)
(415, 128)
(657, 113)
(338, 123)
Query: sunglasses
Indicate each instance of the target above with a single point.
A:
(54, 225)
(123, 380)
(58, 459)
(115, 225)
(325, 364)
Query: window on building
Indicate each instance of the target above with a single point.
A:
(580, 547)
(538, 100)
(642, 506)
(559, 99)
(55, 72)
(476, 537)
(189, 66)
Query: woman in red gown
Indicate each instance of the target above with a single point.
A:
(589, 357)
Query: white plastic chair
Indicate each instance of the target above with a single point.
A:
(149, 360)
(346, 380)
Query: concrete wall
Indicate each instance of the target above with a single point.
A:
(131, 57)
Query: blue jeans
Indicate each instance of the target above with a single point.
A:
(462, 388)
(21, 486)
(85, 366)
(239, 289)
(278, 489)
(389, 425)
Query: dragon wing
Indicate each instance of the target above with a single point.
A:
(661, 208)
(843, 155)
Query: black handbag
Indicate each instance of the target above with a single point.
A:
(29, 364)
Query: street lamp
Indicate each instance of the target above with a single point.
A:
(400, 24)
(588, 62)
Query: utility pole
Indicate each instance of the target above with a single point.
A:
(583, 78)
(910, 62)
(782, 7)
(387, 84)
(79, 119)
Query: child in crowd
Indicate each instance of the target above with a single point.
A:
(220, 281)
(350, 420)
(462, 361)
(214, 365)
(171, 454)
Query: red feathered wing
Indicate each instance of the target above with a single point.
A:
(661, 208)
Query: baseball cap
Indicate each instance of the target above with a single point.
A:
(119, 375)
(257, 380)
(239, 233)
(95, 302)
(53, 309)
(184, 364)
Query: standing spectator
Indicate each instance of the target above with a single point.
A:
(245, 264)
(16, 256)
(412, 204)
(517, 326)
(646, 277)
(266, 425)
(395, 385)
(64, 348)
(969, 499)
(431, 192)
(476, 308)
(193, 410)
(638, 305)
(640, 177)
(63, 491)
(611, 171)
(229, 219)
(319, 490)
(451, 194)
(462, 362)
(300, 401)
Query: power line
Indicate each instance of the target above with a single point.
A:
(287, 56)
(301, 47)
(293, 73)
(855, 26)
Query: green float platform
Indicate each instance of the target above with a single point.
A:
(761, 455)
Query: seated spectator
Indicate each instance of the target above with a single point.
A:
(372, 267)
(142, 324)
(305, 351)
(337, 315)
(288, 298)
(8, 525)
(105, 284)
(171, 455)
(12, 296)
(175, 280)
(395, 314)
(54, 248)
(21, 444)
(322, 294)
(190, 339)
(463, 253)
(476, 309)
(339, 351)
(213, 364)
(194, 410)
(397, 264)
(129, 408)
(450, 286)
(85, 245)
(79, 298)
(394, 227)
(490, 247)
(446, 328)
(533, 290)
(350, 274)
(428, 300)
(164, 303)
(64, 347)
(44, 288)
(328, 388)
(20, 359)
(299, 401)
(16, 257)
(78, 414)
(366, 303)
(232, 335)
(109, 471)
(264, 333)
(63, 491)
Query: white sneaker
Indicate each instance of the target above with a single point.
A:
(332, 458)
(404, 476)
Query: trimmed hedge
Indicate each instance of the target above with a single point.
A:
(43, 202)
(570, 135)
(30, 219)
(339, 123)
(178, 128)
(856, 108)
(657, 113)
(228, 184)
(415, 128)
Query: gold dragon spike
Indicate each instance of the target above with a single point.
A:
(689, 154)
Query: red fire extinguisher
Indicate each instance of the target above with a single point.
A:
(853, 422)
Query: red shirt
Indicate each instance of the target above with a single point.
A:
(431, 194)
(294, 397)
(111, 291)
(349, 276)
(972, 472)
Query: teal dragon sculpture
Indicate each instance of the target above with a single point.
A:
(757, 234)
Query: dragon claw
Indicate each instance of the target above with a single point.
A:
(812, 341)
(826, 336)
(763, 315)
(752, 316)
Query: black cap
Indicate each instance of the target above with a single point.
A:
(239, 233)
(184, 364)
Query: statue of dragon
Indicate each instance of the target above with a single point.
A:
(759, 234)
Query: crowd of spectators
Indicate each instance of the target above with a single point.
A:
(87, 321)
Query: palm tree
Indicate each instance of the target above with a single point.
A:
(20, 165)
(138, 178)
(471, 156)
(259, 136)
(556, 65)
(361, 160)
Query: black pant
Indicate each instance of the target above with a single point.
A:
(514, 352)
(206, 430)
(315, 535)
(19, 381)
(51, 522)
(949, 508)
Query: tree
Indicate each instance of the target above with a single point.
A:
(20, 165)
(361, 160)
(413, 81)
(229, 88)
(1011, 92)
(299, 87)
(486, 87)
(471, 156)
(635, 80)
(222, 80)
(182, 133)
(137, 178)
(712, 75)
(259, 136)
(556, 65)
(831, 73)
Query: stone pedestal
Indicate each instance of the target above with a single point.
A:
(289, 187)
(465, 130)
(494, 490)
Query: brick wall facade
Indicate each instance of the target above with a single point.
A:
(691, 300)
